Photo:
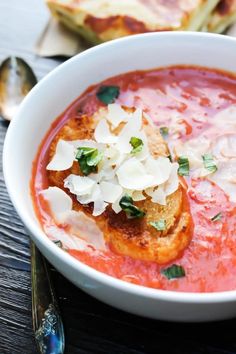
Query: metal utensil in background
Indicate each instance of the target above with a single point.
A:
(16, 80)
(47, 323)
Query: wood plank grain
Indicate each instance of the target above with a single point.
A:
(20, 24)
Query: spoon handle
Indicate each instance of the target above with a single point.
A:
(47, 323)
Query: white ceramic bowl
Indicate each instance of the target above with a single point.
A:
(49, 98)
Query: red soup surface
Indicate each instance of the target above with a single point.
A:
(192, 97)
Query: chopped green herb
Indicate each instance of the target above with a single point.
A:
(58, 243)
(137, 145)
(164, 131)
(132, 212)
(209, 163)
(159, 225)
(183, 169)
(108, 94)
(84, 151)
(88, 159)
(174, 271)
(217, 217)
(94, 158)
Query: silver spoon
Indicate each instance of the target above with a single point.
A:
(16, 80)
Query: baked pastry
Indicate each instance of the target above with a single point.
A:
(102, 20)
(223, 16)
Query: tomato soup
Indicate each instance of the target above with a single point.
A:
(196, 109)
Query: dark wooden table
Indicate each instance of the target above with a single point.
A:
(91, 326)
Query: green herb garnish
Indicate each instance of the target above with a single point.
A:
(58, 243)
(164, 131)
(174, 271)
(88, 159)
(217, 217)
(159, 225)
(209, 163)
(183, 169)
(108, 94)
(137, 145)
(127, 204)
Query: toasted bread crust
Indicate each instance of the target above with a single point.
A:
(132, 237)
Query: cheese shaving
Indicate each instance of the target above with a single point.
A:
(63, 158)
(123, 168)
(80, 225)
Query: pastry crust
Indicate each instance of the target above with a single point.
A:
(222, 17)
(102, 20)
(133, 237)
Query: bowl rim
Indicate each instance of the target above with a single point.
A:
(42, 239)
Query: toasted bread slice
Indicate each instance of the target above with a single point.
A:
(223, 16)
(102, 20)
(133, 237)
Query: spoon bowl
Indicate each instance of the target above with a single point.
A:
(16, 80)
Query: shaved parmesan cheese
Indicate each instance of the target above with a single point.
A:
(225, 146)
(200, 172)
(131, 129)
(79, 224)
(86, 143)
(171, 185)
(68, 240)
(193, 149)
(132, 175)
(63, 158)
(226, 119)
(225, 178)
(95, 196)
(78, 184)
(159, 196)
(102, 133)
(113, 157)
(176, 126)
(110, 191)
(84, 199)
(58, 200)
(124, 168)
(160, 169)
(222, 148)
(116, 206)
(86, 228)
(116, 115)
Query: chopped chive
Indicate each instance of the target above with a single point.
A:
(209, 163)
(108, 94)
(58, 243)
(88, 159)
(137, 144)
(164, 131)
(127, 204)
(183, 169)
(173, 272)
(217, 217)
(94, 158)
